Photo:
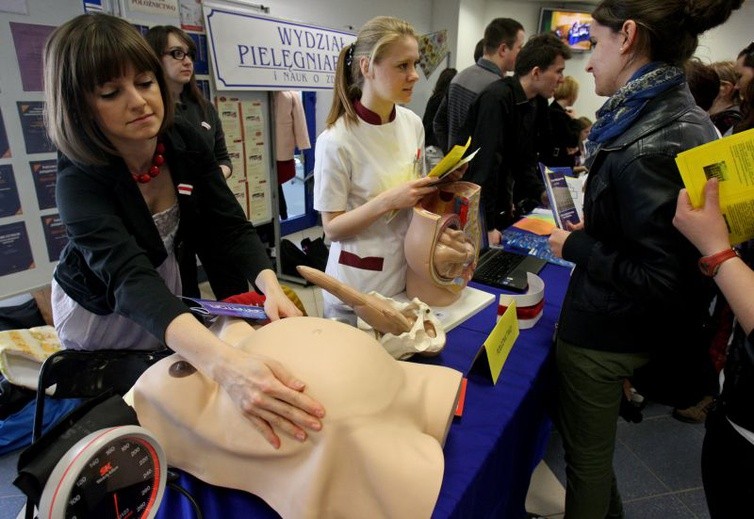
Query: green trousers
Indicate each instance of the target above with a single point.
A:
(590, 386)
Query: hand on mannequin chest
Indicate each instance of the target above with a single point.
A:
(385, 417)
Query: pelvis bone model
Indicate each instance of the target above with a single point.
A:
(442, 244)
(404, 329)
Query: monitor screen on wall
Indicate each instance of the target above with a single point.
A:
(572, 27)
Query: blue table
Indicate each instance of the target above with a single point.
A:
(490, 452)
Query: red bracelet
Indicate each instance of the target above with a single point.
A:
(709, 265)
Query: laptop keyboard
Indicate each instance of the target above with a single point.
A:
(497, 268)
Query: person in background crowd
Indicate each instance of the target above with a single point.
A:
(704, 83)
(134, 186)
(745, 68)
(510, 123)
(635, 290)
(438, 94)
(566, 129)
(728, 449)
(585, 126)
(177, 53)
(503, 39)
(747, 110)
(725, 111)
(369, 162)
(478, 50)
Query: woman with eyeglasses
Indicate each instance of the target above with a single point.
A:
(135, 188)
(177, 52)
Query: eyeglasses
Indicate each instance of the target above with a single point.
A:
(179, 54)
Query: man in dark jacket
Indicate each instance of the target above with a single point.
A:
(509, 122)
(503, 39)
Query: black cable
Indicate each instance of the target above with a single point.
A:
(175, 486)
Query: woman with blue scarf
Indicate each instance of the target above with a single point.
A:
(636, 289)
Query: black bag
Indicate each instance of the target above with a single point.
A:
(316, 252)
(291, 257)
(36, 462)
(13, 398)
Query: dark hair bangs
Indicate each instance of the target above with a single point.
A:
(110, 57)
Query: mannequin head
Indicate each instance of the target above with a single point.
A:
(386, 418)
(442, 244)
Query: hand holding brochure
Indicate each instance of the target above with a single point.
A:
(731, 160)
(453, 160)
(559, 194)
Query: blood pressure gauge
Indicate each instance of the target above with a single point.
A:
(118, 472)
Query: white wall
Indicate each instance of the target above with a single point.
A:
(726, 41)
(470, 30)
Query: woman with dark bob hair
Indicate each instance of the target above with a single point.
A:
(134, 189)
(636, 290)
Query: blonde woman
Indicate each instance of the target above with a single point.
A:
(565, 128)
(369, 162)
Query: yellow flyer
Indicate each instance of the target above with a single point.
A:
(452, 161)
(731, 161)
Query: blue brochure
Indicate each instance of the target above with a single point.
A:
(210, 307)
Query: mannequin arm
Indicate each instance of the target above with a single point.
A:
(379, 314)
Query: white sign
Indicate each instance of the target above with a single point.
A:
(255, 52)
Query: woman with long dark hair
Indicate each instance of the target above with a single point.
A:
(635, 290)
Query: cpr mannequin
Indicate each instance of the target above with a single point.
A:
(379, 453)
(442, 244)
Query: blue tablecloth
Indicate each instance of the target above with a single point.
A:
(490, 451)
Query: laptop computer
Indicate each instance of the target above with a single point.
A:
(504, 269)
(500, 268)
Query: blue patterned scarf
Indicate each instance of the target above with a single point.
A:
(623, 107)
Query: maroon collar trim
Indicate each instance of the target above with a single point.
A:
(369, 116)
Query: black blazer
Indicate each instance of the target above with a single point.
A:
(510, 131)
(109, 262)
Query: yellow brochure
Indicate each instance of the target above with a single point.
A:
(731, 160)
(452, 161)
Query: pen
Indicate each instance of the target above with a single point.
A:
(417, 162)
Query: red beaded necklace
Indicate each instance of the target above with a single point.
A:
(154, 170)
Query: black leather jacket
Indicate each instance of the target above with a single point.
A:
(636, 287)
(114, 246)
